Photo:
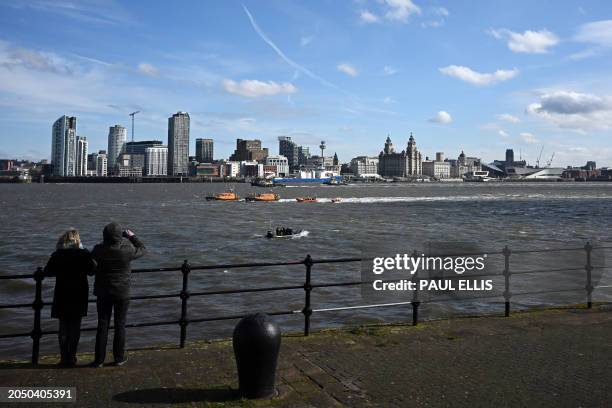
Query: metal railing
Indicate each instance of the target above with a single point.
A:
(184, 295)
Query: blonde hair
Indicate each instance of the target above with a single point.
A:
(69, 239)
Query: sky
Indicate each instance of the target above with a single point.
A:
(477, 76)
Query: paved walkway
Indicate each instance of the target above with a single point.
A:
(553, 358)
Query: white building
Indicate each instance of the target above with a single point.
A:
(117, 137)
(436, 169)
(81, 156)
(156, 161)
(364, 166)
(232, 169)
(63, 146)
(102, 165)
(281, 163)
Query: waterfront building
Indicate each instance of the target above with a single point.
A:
(232, 169)
(303, 155)
(156, 161)
(81, 156)
(249, 150)
(405, 164)
(209, 170)
(178, 144)
(364, 166)
(117, 137)
(280, 164)
(137, 151)
(124, 167)
(97, 164)
(438, 169)
(204, 150)
(63, 146)
(464, 165)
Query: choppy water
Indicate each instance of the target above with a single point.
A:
(176, 223)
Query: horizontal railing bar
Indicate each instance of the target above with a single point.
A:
(540, 292)
(245, 265)
(331, 309)
(231, 291)
(240, 316)
(12, 335)
(15, 306)
(25, 276)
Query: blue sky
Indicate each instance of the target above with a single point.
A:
(478, 76)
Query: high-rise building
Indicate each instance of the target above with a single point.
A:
(63, 146)
(303, 155)
(156, 161)
(178, 144)
(117, 137)
(97, 164)
(289, 149)
(249, 150)
(81, 156)
(204, 150)
(509, 157)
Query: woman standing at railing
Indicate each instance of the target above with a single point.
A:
(70, 264)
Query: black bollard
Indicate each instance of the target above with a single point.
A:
(256, 344)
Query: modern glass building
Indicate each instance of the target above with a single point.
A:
(156, 161)
(63, 146)
(178, 144)
(81, 156)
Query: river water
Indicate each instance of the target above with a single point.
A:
(176, 223)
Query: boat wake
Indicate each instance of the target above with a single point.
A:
(481, 197)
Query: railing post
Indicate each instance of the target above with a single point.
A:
(307, 311)
(415, 296)
(184, 295)
(507, 294)
(589, 267)
(37, 306)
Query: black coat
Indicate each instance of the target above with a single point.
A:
(114, 257)
(70, 267)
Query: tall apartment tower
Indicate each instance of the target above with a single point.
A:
(204, 150)
(178, 144)
(63, 146)
(117, 137)
(81, 156)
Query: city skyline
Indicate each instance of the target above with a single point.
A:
(479, 78)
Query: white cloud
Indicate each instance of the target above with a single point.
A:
(388, 100)
(433, 23)
(529, 42)
(33, 59)
(148, 69)
(596, 33)
(389, 70)
(368, 17)
(305, 40)
(503, 133)
(529, 138)
(347, 69)
(477, 78)
(400, 10)
(573, 110)
(252, 88)
(508, 118)
(442, 117)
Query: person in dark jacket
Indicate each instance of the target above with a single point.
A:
(70, 264)
(112, 287)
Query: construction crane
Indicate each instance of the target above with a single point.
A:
(132, 115)
(549, 162)
(539, 157)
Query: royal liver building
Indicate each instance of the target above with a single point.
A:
(408, 163)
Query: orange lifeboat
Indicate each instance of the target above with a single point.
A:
(264, 197)
(227, 196)
(306, 199)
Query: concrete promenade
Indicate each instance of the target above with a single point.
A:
(556, 358)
